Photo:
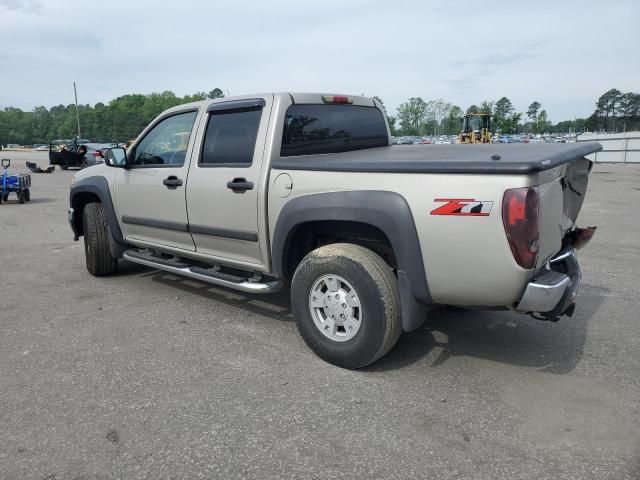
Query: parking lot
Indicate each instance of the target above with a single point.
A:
(146, 375)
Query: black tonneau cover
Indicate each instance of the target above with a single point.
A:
(494, 158)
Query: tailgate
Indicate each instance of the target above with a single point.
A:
(560, 203)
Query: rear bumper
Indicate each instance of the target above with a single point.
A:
(553, 290)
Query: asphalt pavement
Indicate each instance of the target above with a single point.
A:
(144, 375)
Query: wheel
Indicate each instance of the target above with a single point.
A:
(64, 167)
(346, 303)
(21, 196)
(96, 241)
(83, 163)
(5, 197)
(27, 195)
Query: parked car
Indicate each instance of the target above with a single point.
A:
(68, 154)
(304, 189)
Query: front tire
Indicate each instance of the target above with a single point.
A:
(100, 262)
(346, 303)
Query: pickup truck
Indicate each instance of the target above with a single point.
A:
(304, 191)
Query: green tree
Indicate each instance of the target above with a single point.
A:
(543, 122)
(532, 111)
(503, 112)
(473, 109)
(532, 114)
(412, 116)
(486, 107)
(215, 93)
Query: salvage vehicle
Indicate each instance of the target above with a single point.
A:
(304, 191)
(66, 153)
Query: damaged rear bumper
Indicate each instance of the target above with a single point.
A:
(552, 291)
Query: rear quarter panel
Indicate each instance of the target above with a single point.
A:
(467, 259)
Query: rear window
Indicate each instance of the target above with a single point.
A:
(317, 129)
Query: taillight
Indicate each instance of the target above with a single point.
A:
(337, 99)
(520, 218)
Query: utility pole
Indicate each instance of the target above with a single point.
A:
(75, 93)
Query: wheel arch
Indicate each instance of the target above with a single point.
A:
(382, 211)
(96, 189)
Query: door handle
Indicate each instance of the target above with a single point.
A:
(172, 182)
(239, 185)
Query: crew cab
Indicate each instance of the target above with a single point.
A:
(304, 191)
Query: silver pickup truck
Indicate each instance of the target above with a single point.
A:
(304, 190)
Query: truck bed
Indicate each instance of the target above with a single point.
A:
(513, 158)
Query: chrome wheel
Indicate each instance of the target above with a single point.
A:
(335, 308)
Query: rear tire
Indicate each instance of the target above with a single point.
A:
(27, 195)
(100, 262)
(21, 196)
(354, 274)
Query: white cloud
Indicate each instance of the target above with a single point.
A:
(564, 54)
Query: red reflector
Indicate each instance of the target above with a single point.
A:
(520, 219)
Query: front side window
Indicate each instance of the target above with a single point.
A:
(166, 143)
(318, 129)
(230, 138)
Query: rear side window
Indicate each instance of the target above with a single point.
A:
(230, 138)
(316, 129)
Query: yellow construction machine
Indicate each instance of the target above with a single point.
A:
(476, 128)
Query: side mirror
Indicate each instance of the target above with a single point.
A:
(115, 157)
(6, 163)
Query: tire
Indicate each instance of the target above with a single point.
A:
(21, 196)
(5, 197)
(376, 292)
(84, 164)
(96, 241)
(64, 167)
(27, 195)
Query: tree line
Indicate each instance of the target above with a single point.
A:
(118, 121)
(124, 117)
(615, 111)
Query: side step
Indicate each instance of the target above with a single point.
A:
(202, 274)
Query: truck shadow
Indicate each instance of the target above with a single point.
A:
(498, 336)
(448, 332)
(275, 305)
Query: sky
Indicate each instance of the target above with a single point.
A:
(564, 54)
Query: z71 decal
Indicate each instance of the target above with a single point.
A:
(468, 207)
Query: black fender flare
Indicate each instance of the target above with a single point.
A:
(99, 186)
(387, 211)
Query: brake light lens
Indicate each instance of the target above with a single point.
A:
(520, 209)
(337, 99)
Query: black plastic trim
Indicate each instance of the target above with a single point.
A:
(388, 211)
(249, 104)
(224, 232)
(153, 223)
(98, 186)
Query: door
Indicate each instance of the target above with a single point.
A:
(224, 187)
(150, 194)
